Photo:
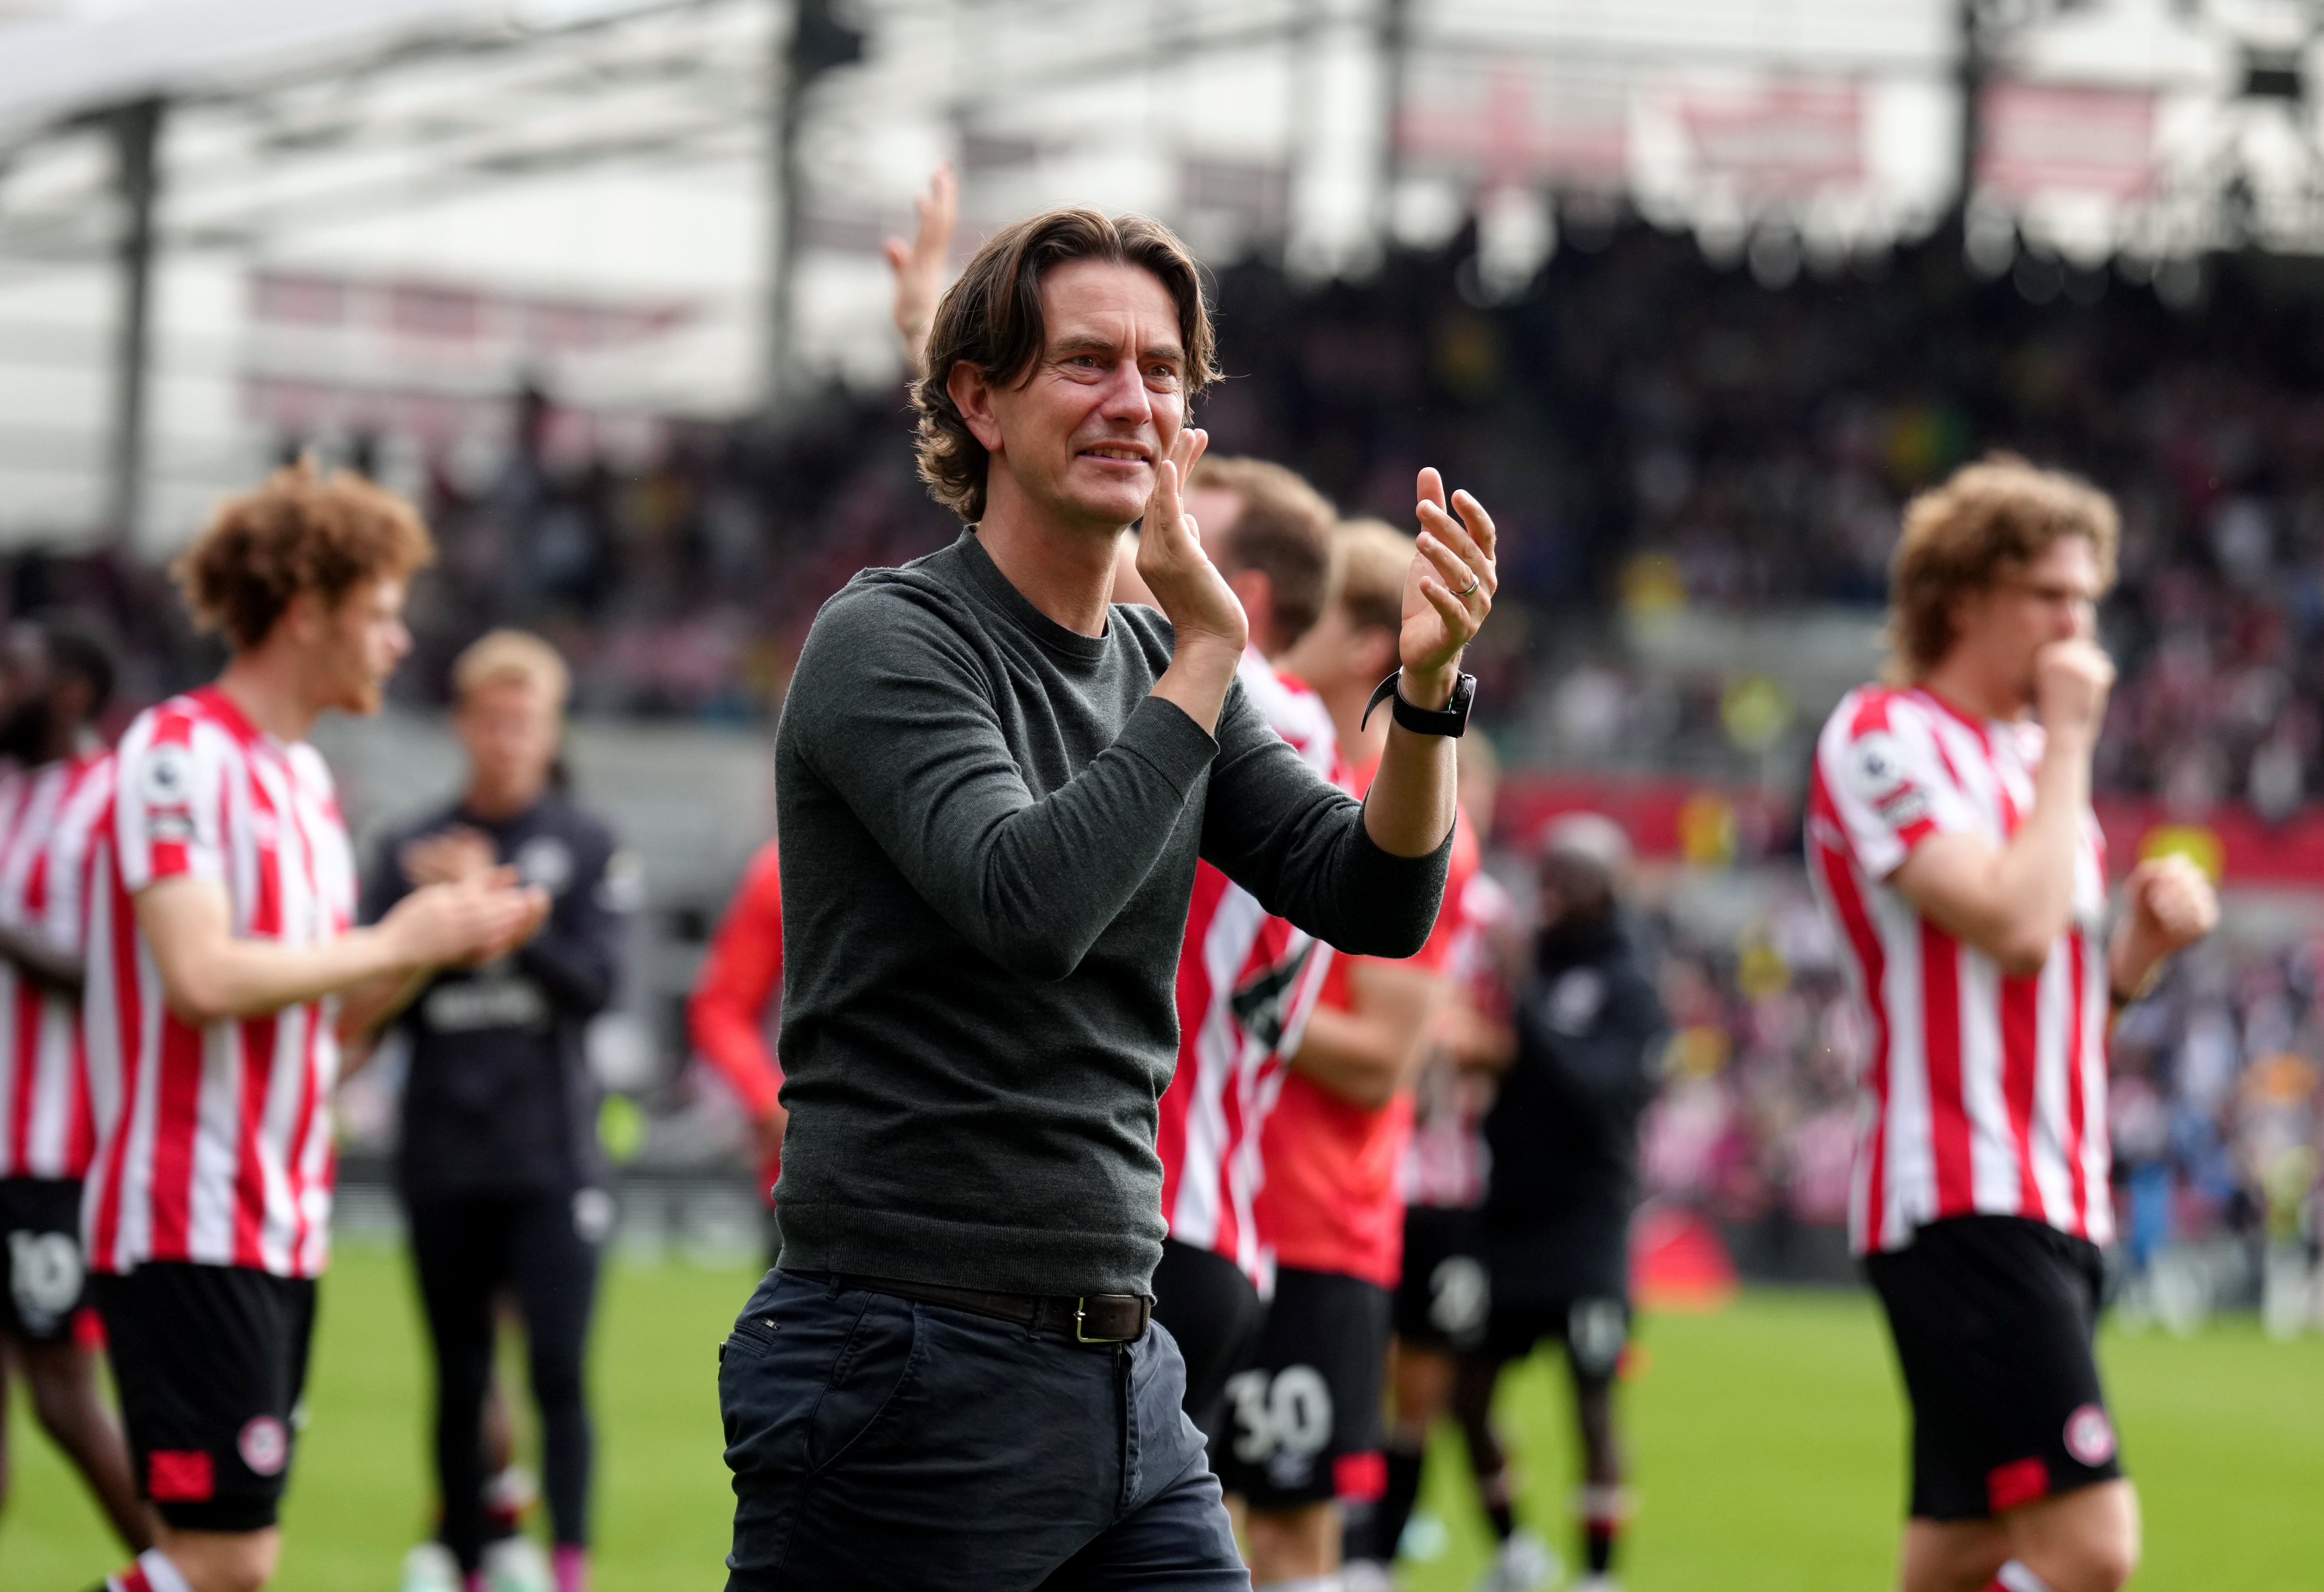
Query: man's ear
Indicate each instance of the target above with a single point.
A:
(972, 394)
(304, 616)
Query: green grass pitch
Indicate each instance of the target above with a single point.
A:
(1768, 1439)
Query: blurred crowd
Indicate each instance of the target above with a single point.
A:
(1653, 431)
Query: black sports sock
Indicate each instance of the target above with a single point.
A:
(1393, 1511)
(1597, 1544)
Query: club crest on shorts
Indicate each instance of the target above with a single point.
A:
(2089, 1435)
(264, 1445)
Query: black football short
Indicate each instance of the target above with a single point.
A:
(39, 1258)
(1994, 1319)
(1593, 1332)
(1215, 1314)
(1304, 1423)
(210, 1362)
(1446, 1293)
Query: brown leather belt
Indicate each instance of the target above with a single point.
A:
(1089, 1318)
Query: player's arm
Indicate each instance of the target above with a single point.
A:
(1411, 807)
(576, 956)
(1368, 1051)
(2014, 901)
(1475, 1039)
(38, 959)
(209, 973)
(727, 1015)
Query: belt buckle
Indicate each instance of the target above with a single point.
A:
(1081, 1312)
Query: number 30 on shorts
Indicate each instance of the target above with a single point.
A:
(1288, 1410)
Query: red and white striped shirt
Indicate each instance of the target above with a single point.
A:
(1246, 984)
(48, 817)
(1985, 1093)
(213, 1143)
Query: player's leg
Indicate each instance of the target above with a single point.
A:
(62, 1378)
(210, 1362)
(2017, 1482)
(1524, 1560)
(1443, 1304)
(1420, 1392)
(1597, 1331)
(554, 1256)
(1952, 1555)
(2085, 1540)
(1307, 1428)
(459, 1257)
(1475, 1380)
(1215, 1316)
(45, 1289)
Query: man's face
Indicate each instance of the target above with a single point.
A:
(360, 641)
(510, 728)
(2053, 599)
(27, 693)
(1082, 434)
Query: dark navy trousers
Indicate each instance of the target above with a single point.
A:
(879, 1442)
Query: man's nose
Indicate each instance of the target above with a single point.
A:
(1125, 397)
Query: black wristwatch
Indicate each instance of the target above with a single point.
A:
(1451, 719)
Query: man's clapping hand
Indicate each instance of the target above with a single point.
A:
(467, 923)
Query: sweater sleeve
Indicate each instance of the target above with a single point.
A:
(1298, 843)
(890, 709)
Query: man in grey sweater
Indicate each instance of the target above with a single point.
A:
(993, 786)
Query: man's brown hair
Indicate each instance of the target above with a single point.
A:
(1284, 532)
(1967, 535)
(301, 530)
(1371, 558)
(991, 319)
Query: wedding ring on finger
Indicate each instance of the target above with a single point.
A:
(1474, 582)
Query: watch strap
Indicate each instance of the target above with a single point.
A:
(1451, 719)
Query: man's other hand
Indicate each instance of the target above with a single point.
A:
(452, 857)
(919, 265)
(459, 924)
(2071, 679)
(2171, 904)
(1448, 593)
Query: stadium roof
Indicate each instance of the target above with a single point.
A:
(604, 160)
(107, 52)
